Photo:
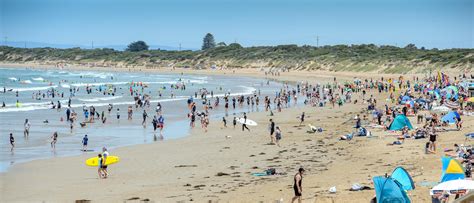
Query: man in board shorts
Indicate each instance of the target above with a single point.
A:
(105, 155)
(298, 180)
(161, 124)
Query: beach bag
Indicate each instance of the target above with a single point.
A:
(270, 171)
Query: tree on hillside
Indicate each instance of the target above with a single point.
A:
(137, 46)
(411, 47)
(208, 42)
(235, 46)
(221, 44)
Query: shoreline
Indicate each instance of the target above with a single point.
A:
(171, 128)
(156, 171)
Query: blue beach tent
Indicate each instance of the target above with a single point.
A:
(450, 117)
(400, 122)
(402, 176)
(389, 190)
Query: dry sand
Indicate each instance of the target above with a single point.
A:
(209, 166)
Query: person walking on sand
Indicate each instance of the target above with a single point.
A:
(84, 143)
(244, 125)
(298, 180)
(224, 121)
(271, 127)
(27, 128)
(100, 166)
(12, 141)
(302, 119)
(234, 122)
(277, 135)
(105, 155)
(54, 139)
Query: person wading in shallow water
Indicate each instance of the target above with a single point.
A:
(298, 180)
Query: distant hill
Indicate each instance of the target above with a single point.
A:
(358, 58)
(28, 44)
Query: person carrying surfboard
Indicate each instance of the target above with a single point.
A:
(244, 125)
(105, 154)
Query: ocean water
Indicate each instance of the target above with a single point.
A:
(26, 86)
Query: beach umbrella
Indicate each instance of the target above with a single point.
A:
(406, 98)
(441, 109)
(452, 88)
(421, 100)
(471, 99)
(452, 105)
(453, 186)
(451, 169)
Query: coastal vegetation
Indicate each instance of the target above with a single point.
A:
(360, 58)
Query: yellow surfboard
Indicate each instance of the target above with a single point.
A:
(94, 161)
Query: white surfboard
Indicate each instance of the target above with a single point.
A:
(247, 122)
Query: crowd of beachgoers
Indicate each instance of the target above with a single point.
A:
(437, 103)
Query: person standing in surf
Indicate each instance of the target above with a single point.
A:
(145, 115)
(12, 142)
(118, 114)
(85, 139)
(161, 124)
(27, 128)
(54, 139)
(154, 122)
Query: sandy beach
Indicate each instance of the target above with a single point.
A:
(218, 165)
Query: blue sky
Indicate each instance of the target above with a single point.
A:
(429, 23)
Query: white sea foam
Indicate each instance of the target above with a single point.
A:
(38, 79)
(65, 85)
(47, 105)
(96, 99)
(13, 79)
(97, 84)
(24, 89)
(26, 81)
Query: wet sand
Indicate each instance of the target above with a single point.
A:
(211, 166)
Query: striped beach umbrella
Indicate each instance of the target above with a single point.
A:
(452, 105)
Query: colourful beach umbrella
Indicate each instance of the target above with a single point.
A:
(453, 186)
(452, 169)
(471, 99)
(452, 105)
